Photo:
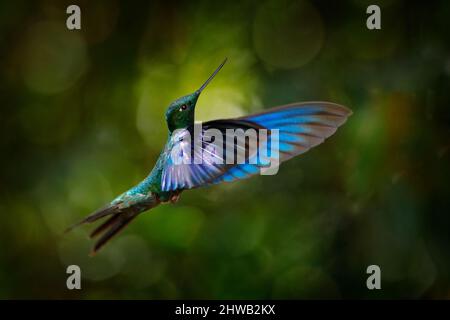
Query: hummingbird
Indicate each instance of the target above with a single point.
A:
(300, 126)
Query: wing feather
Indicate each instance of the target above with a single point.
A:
(300, 126)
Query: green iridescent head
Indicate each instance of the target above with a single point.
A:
(180, 113)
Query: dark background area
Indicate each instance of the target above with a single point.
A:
(82, 120)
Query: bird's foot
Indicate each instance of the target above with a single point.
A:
(174, 198)
(171, 197)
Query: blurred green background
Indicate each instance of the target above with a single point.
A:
(82, 120)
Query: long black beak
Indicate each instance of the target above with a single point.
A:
(211, 77)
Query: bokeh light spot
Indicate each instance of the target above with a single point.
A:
(54, 58)
(287, 34)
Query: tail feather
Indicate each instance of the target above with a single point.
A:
(103, 212)
(104, 226)
(113, 226)
(122, 213)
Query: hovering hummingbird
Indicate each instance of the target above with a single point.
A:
(301, 126)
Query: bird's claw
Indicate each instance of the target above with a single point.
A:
(174, 198)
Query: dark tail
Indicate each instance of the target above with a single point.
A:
(103, 212)
(120, 217)
(111, 227)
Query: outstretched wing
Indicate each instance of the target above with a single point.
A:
(301, 126)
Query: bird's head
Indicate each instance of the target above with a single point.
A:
(180, 113)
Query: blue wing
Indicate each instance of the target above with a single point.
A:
(300, 127)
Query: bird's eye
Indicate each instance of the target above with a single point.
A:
(183, 107)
